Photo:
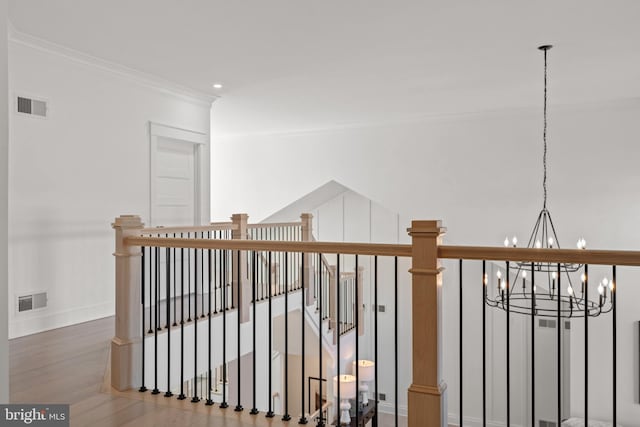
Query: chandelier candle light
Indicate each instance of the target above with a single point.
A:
(545, 302)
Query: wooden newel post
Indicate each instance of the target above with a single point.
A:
(239, 232)
(307, 236)
(427, 393)
(126, 368)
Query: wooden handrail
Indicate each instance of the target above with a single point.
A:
(569, 256)
(274, 246)
(214, 226)
(573, 256)
(275, 224)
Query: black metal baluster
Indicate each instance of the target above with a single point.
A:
(142, 250)
(586, 344)
(508, 367)
(202, 277)
(175, 294)
(216, 279)
(319, 297)
(155, 330)
(189, 280)
(168, 313)
(559, 344)
(395, 344)
(239, 407)
(261, 260)
(195, 397)
(151, 282)
(375, 336)
(254, 409)
(286, 416)
(270, 413)
(303, 310)
(533, 345)
(224, 306)
(166, 298)
(209, 402)
(357, 321)
(484, 344)
(210, 273)
(339, 354)
(157, 307)
(460, 346)
(614, 291)
(230, 294)
(181, 396)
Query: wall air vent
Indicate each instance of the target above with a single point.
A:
(32, 302)
(547, 423)
(32, 107)
(544, 323)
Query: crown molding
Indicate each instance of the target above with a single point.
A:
(139, 77)
(617, 104)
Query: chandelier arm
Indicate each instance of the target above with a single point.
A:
(609, 309)
(545, 231)
(553, 230)
(534, 232)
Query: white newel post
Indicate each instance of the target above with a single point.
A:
(125, 345)
(239, 232)
(307, 236)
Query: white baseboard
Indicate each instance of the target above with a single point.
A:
(476, 422)
(48, 321)
(389, 408)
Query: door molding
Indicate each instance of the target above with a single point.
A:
(200, 143)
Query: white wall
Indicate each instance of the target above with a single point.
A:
(480, 174)
(4, 191)
(74, 172)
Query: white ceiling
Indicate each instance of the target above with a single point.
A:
(313, 64)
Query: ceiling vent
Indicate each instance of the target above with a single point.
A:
(32, 107)
(32, 302)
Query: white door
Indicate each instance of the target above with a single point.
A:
(174, 183)
(176, 176)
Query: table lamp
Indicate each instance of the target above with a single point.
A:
(347, 391)
(366, 373)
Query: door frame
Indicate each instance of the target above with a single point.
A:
(200, 143)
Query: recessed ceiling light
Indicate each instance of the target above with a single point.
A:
(217, 86)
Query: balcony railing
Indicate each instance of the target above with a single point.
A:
(151, 265)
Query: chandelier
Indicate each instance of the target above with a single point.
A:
(524, 292)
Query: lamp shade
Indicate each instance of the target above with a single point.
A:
(366, 370)
(348, 386)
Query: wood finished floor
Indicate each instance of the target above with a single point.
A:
(68, 365)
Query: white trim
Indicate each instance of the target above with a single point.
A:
(453, 420)
(200, 142)
(619, 103)
(165, 131)
(389, 408)
(145, 79)
(60, 319)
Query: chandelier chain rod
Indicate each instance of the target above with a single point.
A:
(544, 133)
